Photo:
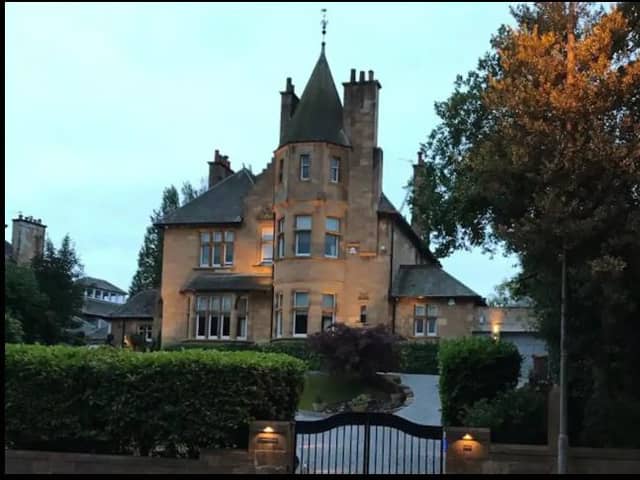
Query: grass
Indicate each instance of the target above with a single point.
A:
(333, 389)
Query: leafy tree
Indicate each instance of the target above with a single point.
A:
(149, 272)
(538, 151)
(24, 301)
(13, 331)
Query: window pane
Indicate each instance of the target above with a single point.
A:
(204, 255)
(213, 331)
(226, 304)
(328, 301)
(226, 325)
(217, 236)
(201, 303)
(432, 310)
(332, 224)
(301, 299)
(215, 304)
(267, 252)
(229, 236)
(363, 314)
(241, 331)
(281, 246)
(278, 324)
(303, 222)
(267, 233)
(303, 243)
(300, 326)
(242, 306)
(228, 256)
(431, 326)
(205, 237)
(217, 254)
(305, 162)
(331, 245)
(419, 326)
(327, 321)
(420, 311)
(201, 325)
(281, 225)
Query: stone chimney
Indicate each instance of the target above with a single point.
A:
(27, 238)
(288, 102)
(418, 169)
(219, 169)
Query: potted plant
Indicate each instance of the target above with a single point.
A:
(360, 403)
(318, 404)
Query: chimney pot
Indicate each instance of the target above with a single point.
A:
(353, 75)
(420, 160)
(289, 87)
(370, 75)
(362, 75)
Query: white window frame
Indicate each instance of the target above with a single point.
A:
(278, 314)
(334, 169)
(280, 243)
(334, 235)
(300, 230)
(303, 157)
(419, 318)
(266, 243)
(328, 311)
(224, 240)
(209, 313)
(296, 309)
(246, 318)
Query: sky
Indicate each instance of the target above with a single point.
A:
(106, 104)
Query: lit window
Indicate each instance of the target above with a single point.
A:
(363, 314)
(303, 236)
(332, 238)
(216, 248)
(241, 330)
(334, 173)
(281, 238)
(305, 166)
(213, 317)
(146, 332)
(266, 241)
(300, 313)
(278, 314)
(328, 311)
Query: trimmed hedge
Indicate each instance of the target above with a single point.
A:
(473, 368)
(118, 401)
(419, 357)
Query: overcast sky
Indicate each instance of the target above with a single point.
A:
(107, 104)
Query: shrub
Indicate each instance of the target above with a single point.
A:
(298, 348)
(473, 368)
(356, 351)
(514, 416)
(419, 357)
(122, 401)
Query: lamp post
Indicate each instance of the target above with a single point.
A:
(563, 438)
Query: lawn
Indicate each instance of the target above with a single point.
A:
(333, 389)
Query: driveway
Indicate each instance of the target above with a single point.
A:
(425, 408)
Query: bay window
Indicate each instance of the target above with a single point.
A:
(303, 235)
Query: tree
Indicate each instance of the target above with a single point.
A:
(190, 193)
(24, 302)
(538, 151)
(13, 331)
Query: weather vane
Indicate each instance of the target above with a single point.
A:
(324, 23)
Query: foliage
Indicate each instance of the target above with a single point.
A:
(356, 351)
(13, 332)
(418, 357)
(473, 368)
(514, 416)
(538, 151)
(122, 401)
(298, 348)
(23, 299)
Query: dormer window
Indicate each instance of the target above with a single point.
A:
(305, 167)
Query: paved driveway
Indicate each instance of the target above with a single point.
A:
(425, 408)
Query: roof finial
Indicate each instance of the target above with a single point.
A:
(324, 23)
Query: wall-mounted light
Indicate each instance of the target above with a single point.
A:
(467, 436)
(267, 430)
(452, 302)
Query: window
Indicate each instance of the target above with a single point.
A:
(328, 311)
(419, 318)
(281, 238)
(281, 170)
(305, 166)
(363, 314)
(213, 317)
(241, 327)
(425, 320)
(432, 320)
(216, 248)
(105, 296)
(332, 238)
(300, 313)
(278, 313)
(303, 236)
(266, 245)
(146, 332)
(334, 170)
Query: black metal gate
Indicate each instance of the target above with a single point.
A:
(364, 443)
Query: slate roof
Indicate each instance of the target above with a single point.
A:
(141, 305)
(98, 308)
(223, 203)
(91, 282)
(385, 207)
(318, 115)
(429, 281)
(211, 282)
(511, 319)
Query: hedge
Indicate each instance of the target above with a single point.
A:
(117, 401)
(419, 357)
(473, 368)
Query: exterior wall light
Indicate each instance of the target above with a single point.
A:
(267, 430)
(466, 436)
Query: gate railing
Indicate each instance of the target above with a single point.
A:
(355, 442)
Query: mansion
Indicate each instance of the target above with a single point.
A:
(310, 241)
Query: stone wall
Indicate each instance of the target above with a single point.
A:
(454, 321)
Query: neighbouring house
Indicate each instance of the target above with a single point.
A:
(101, 298)
(517, 324)
(309, 241)
(27, 240)
(136, 317)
